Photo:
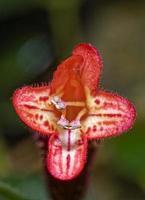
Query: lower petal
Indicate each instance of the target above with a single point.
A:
(64, 163)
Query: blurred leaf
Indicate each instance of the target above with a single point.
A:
(11, 120)
(10, 7)
(31, 186)
(34, 56)
(8, 193)
(128, 154)
(57, 4)
(4, 159)
(23, 60)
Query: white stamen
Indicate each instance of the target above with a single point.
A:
(56, 98)
(63, 122)
(58, 103)
(75, 124)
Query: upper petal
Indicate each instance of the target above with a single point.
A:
(91, 66)
(109, 115)
(32, 106)
(64, 72)
(84, 64)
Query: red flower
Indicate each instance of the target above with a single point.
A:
(72, 110)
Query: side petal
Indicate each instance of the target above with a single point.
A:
(64, 163)
(32, 106)
(91, 67)
(108, 115)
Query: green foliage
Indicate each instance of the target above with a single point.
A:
(128, 155)
(8, 193)
(27, 187)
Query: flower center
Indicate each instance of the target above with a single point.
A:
(62, 107)
(69, 130)
(68, 97)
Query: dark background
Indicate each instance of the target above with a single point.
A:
(35, 35)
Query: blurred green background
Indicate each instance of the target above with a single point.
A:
(35, 35)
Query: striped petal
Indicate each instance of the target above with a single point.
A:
(65, 162)
(32, 106)
(109, 115)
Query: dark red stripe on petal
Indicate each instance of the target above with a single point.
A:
(37, 108)
(106, 115)
(30, 106)
(69, 140)
(68, 158)
(43, 98)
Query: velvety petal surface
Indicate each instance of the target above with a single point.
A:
(64, 161)
(108, 115)
(32, 106)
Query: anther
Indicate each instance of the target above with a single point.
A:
(58, 103)
(75, 124)
(63, 122)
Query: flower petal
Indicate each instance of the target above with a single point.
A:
(91, 66)
(64, 162)
(65, 71)
(85, 63)
(32, 106)
(109, 115)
